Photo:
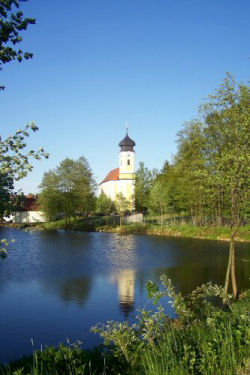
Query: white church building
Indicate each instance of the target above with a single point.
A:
(122, 179)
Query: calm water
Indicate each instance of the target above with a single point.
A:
(55, 285)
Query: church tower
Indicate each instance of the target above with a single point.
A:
(121, 180)
(127, 159)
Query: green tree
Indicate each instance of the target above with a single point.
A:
(104, 205)
(191, 170)
(6, 188)
(159, 197)
(50, 199)
(227, 131)
(69, 189)
(15, 163)
(122, 206)
(12, 23)
(143, 184)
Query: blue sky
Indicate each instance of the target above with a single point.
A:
(98, 64)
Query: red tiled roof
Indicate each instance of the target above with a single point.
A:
(112, 175)
(30, 203)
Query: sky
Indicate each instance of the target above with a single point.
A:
(98, 65)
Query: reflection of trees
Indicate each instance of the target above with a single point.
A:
(74, 290)
(187, 276)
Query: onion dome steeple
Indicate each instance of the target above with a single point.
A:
(127, 143)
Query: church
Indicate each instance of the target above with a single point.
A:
(122, 179)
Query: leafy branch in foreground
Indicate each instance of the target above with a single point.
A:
(13, 161)
(14, 165)
(11, 24)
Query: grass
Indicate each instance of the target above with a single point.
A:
(184, 230)
(208, 232)
(82, 224)
(111, 224)
(220, 347)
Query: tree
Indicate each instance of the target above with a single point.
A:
(104, 205)
(68, 190)
(6, 187)
(159, 197)
(191, 171)
(122, 205)
(15, 164)
(11, 24)
(227, 131)
(143, 183)
(50, 198)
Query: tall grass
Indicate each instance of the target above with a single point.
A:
(219, 349)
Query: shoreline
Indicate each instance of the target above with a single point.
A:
(180, 231)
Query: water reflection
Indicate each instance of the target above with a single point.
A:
(126, 290)
(74, 290)
(65, 282)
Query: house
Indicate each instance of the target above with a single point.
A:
(30, 213)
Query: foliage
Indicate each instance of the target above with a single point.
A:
(122, 205)
(209, 177)
(67, 359)
(159, 198)
(14, 162)
(143, 184)
(12, 23)
(6, 187)
(104, 205)
(68, 190)
(227, 132)
(198, 342)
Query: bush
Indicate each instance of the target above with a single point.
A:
(208, 337)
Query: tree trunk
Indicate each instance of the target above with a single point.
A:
(161, 218)
(228, 269)
(233, 275)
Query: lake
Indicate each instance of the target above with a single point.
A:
(55, 285)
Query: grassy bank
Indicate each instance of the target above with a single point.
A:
(209, 232)
(108, 224)
(204, 340)
(186, 230)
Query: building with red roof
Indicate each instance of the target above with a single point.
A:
(122, 180)
(29, 212)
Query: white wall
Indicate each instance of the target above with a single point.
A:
(134, 218)
(124, 156)
(26, 217)
(112, 188)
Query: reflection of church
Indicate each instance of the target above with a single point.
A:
(126, 290)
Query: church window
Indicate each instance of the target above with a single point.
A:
(128, 162)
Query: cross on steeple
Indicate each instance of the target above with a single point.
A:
(127, 126)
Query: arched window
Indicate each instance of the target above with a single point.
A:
(128, 161)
